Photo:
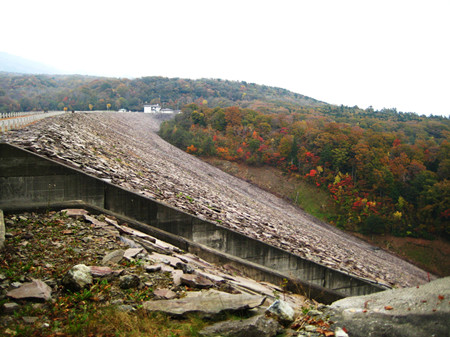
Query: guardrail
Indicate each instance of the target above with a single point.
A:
(16, 120)
(19, 114)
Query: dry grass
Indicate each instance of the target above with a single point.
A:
(116, 323)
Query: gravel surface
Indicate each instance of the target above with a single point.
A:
(126, 149)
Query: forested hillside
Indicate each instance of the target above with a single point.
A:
(56, 92)
(384, 171)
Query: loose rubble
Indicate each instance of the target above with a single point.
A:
(46, 254)
(124, 149)
(54, 254)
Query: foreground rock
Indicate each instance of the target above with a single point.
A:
(35, 290)
(282, 311)
(77, 278)
(258, 326)
(207, 303)
(410, 312)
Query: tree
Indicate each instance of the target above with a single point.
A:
(198, 118)
(286, 144)
(233, 116)
(218, 121)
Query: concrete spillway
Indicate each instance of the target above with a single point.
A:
(31, 182)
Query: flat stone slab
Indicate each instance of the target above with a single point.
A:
(35, 290)
(196, 281)
(100, 271)
(113, 257)
(164, 294)
(205, 303)
(258, 326)
(135, 232)
(130, 253)
(170, 260)
(75, 212)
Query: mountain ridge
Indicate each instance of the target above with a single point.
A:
(79, 92)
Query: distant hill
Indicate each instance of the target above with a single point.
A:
(15, 64)
(76, 92)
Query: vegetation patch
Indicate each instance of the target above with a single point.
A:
(385, 172)
(45, 247)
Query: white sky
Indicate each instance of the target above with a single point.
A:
(384, 53)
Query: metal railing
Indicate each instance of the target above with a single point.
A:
(16, 120)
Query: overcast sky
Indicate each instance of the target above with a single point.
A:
(380, 53)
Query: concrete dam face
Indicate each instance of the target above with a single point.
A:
(31, 182)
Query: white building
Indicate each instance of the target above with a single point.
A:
(152, 108)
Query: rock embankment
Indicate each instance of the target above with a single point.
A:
(58, 262)
(125, 149)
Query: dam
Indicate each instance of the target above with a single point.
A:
(31, 182)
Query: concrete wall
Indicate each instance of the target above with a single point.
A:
(28, 180)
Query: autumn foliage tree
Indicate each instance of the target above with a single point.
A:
(384, 173)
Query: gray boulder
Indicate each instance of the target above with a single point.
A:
(410, 312)
(258, 326)
(282, 311)
(129, 281)
(77, 278)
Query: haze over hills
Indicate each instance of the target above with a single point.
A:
(15, 64)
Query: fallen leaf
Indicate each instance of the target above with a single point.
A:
(388, 307)
(441, 297)
(328, 333)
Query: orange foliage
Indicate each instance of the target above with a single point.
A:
(191, 149)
